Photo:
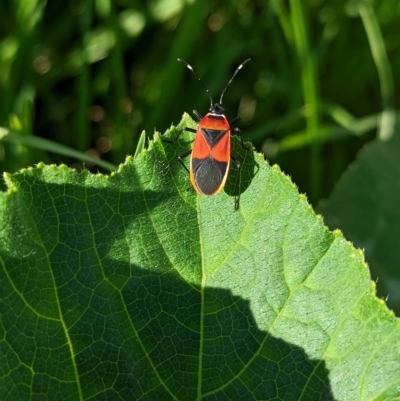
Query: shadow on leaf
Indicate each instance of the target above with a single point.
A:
(99, 301)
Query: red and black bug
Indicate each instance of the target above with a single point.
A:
(211, 152)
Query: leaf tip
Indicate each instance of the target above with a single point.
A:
(141, 144)
(85, 172)
(7, 179)
(303, 197)
(381, 302)
(337, 234)
(185, 116)
(388, 312)
(121, 166)
(11, 187)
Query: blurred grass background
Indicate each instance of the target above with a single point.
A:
(80, 80)
(91, 75)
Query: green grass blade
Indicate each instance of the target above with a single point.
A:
(328, 133)
(84, 81)
(309, 78)
(377, 45)
(50, 146)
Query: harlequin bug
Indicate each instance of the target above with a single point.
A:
(211, 152)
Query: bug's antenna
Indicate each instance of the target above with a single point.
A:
(234, 75)
(198, 78)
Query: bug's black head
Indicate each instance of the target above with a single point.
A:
(217, 109)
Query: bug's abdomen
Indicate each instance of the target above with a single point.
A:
(208, 175)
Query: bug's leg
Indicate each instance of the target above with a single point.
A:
(179, 134)
(239, 134)
(198, 115)
(235, 191)
(235, 120)
(182, 156)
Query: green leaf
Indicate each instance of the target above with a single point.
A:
(365, 205)
(131, 287)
